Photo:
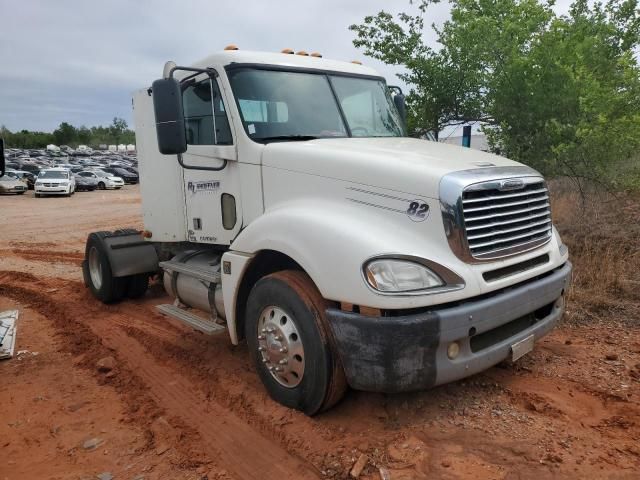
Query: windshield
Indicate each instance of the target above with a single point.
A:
(53, 174)
(283, 105)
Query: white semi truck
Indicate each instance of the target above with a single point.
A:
(284, 204)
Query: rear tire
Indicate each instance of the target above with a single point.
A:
(97, 271)
(316, 382)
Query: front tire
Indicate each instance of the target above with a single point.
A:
(290, 342)
(101, 186)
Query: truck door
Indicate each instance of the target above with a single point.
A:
(212, 193)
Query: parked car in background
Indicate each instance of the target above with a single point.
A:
(127, 176)
(55, 181)
(27, 177)
(12, 185)
(105, 180)
(30, 167)
(85, 184)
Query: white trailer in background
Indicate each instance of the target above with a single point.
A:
(284, 204)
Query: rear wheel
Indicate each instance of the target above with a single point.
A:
(290, 342)
(97, 271)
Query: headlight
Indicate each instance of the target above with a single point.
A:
(39, 183)
(387, 275)
(64, 184)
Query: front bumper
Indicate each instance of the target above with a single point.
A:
(13, 190)
(53, 190)
(405, 353)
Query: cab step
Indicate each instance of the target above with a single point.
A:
(196, 272)
(196, 322)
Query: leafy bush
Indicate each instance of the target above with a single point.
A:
(560, 93)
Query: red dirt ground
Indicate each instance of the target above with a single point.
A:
(180, 405)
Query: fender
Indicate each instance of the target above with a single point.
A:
(331, 239)
(129, 254)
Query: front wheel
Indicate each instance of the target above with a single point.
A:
(290, 342)
(101, 186)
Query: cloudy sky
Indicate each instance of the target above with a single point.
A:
(79, 60)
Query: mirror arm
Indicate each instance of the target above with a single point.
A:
(213, 74)
(210, 71)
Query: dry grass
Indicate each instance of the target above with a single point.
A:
(602, 231)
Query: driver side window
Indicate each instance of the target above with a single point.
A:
(205, 115)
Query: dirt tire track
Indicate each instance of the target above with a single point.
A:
(240, 450)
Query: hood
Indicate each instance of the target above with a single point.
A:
(9, 182)
(53, 180)
(403, 164)
(85, 180)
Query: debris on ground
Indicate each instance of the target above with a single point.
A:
(359, 466)
(8, 327)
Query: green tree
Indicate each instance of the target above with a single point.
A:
(561, 93)
(117, 129)
(67, 134)
(64, 134)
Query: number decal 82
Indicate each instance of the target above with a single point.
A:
(418, 211)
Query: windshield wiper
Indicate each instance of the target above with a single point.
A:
(287, 138)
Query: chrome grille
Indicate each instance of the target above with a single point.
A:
(499, 222)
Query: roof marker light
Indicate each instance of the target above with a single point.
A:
(287, 51)
(357, 62)
(316, 54)
(303, 53)
(231, 47)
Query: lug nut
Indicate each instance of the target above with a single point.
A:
(279, 369)
(261, 337)
(284, 361)
(283, 350)
(278, 337)
(261, 349)
(265, 360)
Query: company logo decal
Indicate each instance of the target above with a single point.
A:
(203, 186)
(513, 184)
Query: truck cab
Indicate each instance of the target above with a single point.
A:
(284, 203)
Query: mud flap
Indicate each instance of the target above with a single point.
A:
(129, 254)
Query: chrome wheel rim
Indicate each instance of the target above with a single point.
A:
(280, 346)
(95, 268)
